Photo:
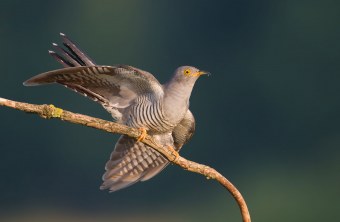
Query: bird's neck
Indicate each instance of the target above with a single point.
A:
(176, 100)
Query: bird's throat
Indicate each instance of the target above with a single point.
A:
(176, 101)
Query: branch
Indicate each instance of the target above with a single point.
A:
(50, 111)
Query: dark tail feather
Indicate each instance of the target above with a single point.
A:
(71, 59)
(71, 55)
(76, 51)
(60, 59)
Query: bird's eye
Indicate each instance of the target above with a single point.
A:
(187, 72)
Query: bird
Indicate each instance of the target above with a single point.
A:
(133, 97)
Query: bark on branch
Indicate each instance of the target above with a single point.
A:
(50, 111)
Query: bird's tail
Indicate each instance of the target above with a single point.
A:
(70, 55)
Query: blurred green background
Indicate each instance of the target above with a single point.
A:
(267, 117)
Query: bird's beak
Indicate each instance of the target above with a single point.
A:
(201, 72)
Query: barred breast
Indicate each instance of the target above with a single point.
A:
(147, 112)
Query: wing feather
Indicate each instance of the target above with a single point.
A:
(131, 162)
(113, 86)
(184, 131)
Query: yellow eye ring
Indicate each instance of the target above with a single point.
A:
(187, 72)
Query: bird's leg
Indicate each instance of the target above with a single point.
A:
(142, 134)
(173, 152)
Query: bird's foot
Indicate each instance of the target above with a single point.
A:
(142, 134)
(173, 152)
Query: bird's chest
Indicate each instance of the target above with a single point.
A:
(148, 113)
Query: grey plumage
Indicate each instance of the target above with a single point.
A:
(133, 97)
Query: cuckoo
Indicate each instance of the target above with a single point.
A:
(135, 98)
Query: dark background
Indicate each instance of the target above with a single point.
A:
(267, 117)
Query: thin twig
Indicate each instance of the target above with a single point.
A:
(50, 111)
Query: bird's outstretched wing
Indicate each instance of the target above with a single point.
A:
(131, 162)
(115, 87)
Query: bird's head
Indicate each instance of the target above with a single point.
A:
(188, 73)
